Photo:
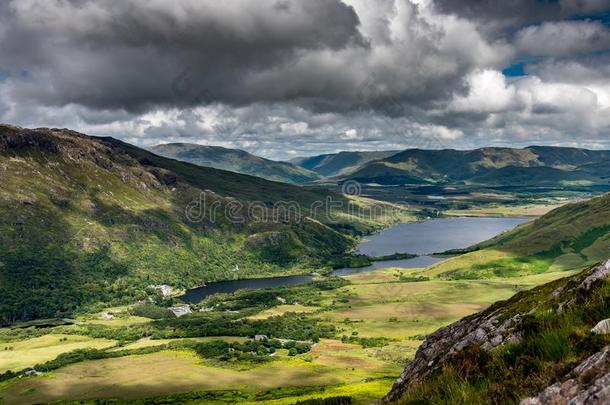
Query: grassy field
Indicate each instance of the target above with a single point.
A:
(27, 353)
(169, 372)
(283, 309)
(376, 305)
(148, 342)
(503, 210)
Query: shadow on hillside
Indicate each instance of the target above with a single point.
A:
(44, 274)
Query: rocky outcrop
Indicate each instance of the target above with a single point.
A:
(266, 239)
(602, 328)
(488, 329)
(73, 147)
(501, 323)
(601, 272)
(589, 383)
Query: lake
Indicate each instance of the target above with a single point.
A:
(198, 294)
(421, 238)
(425, 238)
(436, 235)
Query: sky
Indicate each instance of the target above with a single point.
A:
(288, 78)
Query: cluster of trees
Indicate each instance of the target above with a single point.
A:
(253, 351)
(289, 326)
(308, 294)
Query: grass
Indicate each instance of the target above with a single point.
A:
(117, 321)
(503, 210)
(30, 352)
(554, 341)
(170, 372)
(147, 342)
(375, 305)
(283, 309)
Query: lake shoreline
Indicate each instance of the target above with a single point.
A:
(452, 233)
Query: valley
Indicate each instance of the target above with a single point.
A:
(360, 329)
(297, 202)
(257, 310)
(376, 322)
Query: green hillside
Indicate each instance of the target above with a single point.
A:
(85, 220)
(533, 166)
(570, 237)
(338, 164)
(539, 343)
(235, 160)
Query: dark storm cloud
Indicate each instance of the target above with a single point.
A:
(295, 77)
(129, 54)
(138, 54)
(507, 13)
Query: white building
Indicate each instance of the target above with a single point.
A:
(180, 310)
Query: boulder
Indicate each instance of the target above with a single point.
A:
(589, 385)
(602, 328)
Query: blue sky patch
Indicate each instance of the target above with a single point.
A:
(515, 70)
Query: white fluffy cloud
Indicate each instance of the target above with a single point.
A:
(488, 92)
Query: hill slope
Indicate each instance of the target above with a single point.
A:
(85, 220)
(533, 166)
(341, 163)
(517, 348)
(236, 160)
(568, 238)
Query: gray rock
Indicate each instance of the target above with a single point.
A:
(556, 293)
(600, 273)
(498, 325)
(590, 384)
(602, 328)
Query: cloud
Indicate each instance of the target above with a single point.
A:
(517, 13)
(580, 7)
(129, 54)
(286, 77)
(563, 38)
(138, 54)
(488, 93)
(584, 70)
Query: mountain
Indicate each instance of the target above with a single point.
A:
(237, 161)
(549, 345)
(567, 238)
(532, 166)
(342, 163)
(85, 220)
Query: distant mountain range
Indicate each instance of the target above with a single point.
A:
(237, 161)
(340, 164)
(532, 166)
(537, 166)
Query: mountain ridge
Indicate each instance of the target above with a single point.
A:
(88, 219)
(487, 166)
(340, 163)
(235, 160)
